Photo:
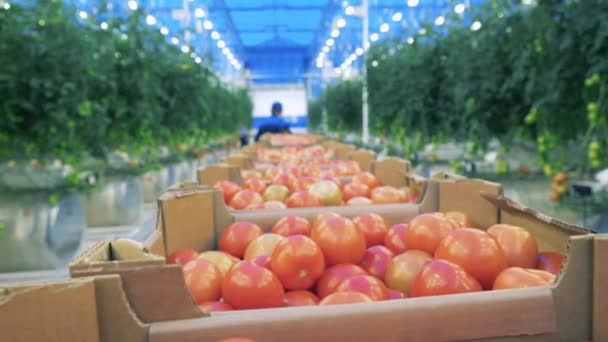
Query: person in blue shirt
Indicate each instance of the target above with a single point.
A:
(275, 123)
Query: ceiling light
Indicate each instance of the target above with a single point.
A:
(225, 51)
(208, 25)
(475, 26)
(440, 20)
(341, 23)
(83, 15)
(359, 51)
(132, 4)
(185, 49)
(410, 40)
(103, 25)
(221, 44)
(215, 35)
(373, 37)
(459, 9)
(198, 60)
(412, 3)
(330, 42)
(199, 12)
(384, 27)
(325, 49)
(150, 20)
(175, 40)
(335, 33)
(374, 63)
(397, 16)
(164, 31)
(350, 10)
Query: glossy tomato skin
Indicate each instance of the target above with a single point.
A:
(247, 174)
(303, 199)
(274, 205)
(518, 245)
(387, 195)
(441, 277)
(204, 280)
(394, 294)
(340, 240)
(228, 189)
(369, 285)
(345, 297)
(298, 262)
(301, 298)
(182, 257)
(476, 251)
(249, 286)
(255, 184)
(352, 190)
(263, 261)
(246, 200)
(517, 277)
(367, 178)
(319, 218)
(550, 262)
(426, 231)
(461, 219)
(292, 225)
(373, 226)
(237, 236)
(215, 306)
(222, 260)
(262, 245)
(395, 238)
(333, 276)
(376, 260)
(403, 269)
(358, 201)
(287, 179)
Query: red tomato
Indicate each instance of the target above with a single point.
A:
(425, 232)
(288, 180)
(303, 199)
(203, 279)
(236, 339)
(292, 225)
(461, 219)
(237, 236)
(272, 172)
(306, 182)
(247, 174)
(298, 262)
(228, 188)
(249, 286)
(403, 268)
(333, 276)
(352, 190)
(262, 260)
(395, 238)
(476, 251)
(262, 245)
(328, 192)
(274, 205)
(255, 184)
(215, 306)
(366, 178)
(550, 262)
(222, 260)
(518, 245)
(373, 226)
(340, 240)
(394, 294)
(355, 201)
(441, 277)
(246, 199)
(369, 285)
(517, 277)
(275, 192)
(345, 297)
(319, 218)
(333, 179)
(182, 256)
(376, 260)
(387, 195)
(301, 298)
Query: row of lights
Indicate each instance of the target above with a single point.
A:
(330, 42)
(198, 13)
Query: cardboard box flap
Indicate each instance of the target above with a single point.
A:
(211, 174)
(239, 160)
(343, 150)
(512, 313)
(600, 286)
(364, 158)
(51, 313)
(392, 171)
(466, 195)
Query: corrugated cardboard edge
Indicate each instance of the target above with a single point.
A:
(364, 158)
(392, 171)
(600, 288)
(211, 174)
(240, 160)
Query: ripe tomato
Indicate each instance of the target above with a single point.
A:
(425, 232)
(247, 174)
(228, 189)
(403, 268)
(373, 226)
(262, 245)
(476, 251)
(306, 182)
(517, 277)
(292, 225)
(319, 218)
(287, 179)
(376, 260)
(550, 262)
(182, 256)
(394, 294)
(222, 260)
(340, 240)
(327, 191)
(203, 279)
(246, 199)
(355, 201)
(262, 260)
(518, 245)
(366, 178)
(441, 277)
(272, 172)
(345, 297)
(387, 195)
(274, 205)
(460, 219)
(249, 286)
(276, 192)
(395, 238)
(298, 262)
(237, 236)
(369, 285)
(333, 276)
(215, 306)
(336, 180)
(255, 184)
(352, 190)
(300, 298)
(303, 199)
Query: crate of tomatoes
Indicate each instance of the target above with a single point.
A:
(465, 256)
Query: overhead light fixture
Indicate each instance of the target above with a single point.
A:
(103, 25)
(350, 10)
(221, 44)
(475, 26)
(325, 49)
(373, 37)
(198, 60)
(335, 33)
(83, 15)
(208, 25)
(199, 13)
(150, 20)
(329, 42)
(359, 51)
(459, 9)
(412, 3)
(440, 20)
(185, 49)
(226, 51)
(175, 40)
(215, 35)
(6, 6)
(164, 31)
(374, 63)
(397, 16)
(410, 40)
(384, 28)
(341, 23)
(132, 4)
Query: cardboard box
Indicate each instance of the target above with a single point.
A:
(573, 309)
